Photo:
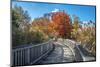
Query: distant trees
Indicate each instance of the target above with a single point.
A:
(53, 25)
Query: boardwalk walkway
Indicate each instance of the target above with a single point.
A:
(61, 53)
(67, 51)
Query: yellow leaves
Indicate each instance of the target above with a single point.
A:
(87, 38)
(35, 28)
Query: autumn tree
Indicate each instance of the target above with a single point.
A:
(61, 24)
(42, 23)
(39, 27)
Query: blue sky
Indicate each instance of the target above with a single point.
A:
(85, 13)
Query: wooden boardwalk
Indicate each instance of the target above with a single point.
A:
(51, 52)
(61, 53)
(67, 51)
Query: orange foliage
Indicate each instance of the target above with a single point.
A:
(61, 24)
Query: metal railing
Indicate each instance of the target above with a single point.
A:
(30, 54)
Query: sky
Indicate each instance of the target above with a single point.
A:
(37, 9)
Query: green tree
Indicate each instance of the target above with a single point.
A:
(20, 18)
(20, 25)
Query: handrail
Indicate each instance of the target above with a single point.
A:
(29, 54)
(76, 51)
(30, 46)
(80, 56)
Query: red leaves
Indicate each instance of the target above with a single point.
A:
(61, 24)
(58, 26)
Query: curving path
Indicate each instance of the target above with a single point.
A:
(67, 51)
(61, 53)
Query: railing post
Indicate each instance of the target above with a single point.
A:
(12, 59)
(21, 57)
(16, 60)
(28, 53)
(41, 49)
